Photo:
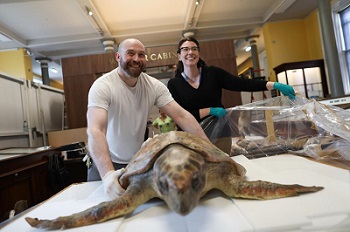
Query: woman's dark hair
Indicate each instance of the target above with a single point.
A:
(180, 65)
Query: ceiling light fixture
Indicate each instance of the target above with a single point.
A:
(195, 14)
(108, 44)
(248, 48)
(99, 28)
(187, 34)
(43, 60)
(28, 52)
(53, 70)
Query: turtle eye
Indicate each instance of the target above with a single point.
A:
(163, 186)
(196, 183)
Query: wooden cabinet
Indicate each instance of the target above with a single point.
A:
(76, 95)
(307, 77)
(78, 75)
(23, 177)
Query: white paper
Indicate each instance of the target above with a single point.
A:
(326, 210)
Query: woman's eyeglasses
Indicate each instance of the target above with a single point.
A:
(187, 49)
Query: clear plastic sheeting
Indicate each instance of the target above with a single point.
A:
(280, 125)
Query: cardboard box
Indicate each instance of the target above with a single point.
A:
(64, 137)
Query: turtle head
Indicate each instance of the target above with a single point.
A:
(180, 177)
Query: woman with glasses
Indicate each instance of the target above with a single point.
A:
(198, 87)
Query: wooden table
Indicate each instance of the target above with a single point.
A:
(23, 176)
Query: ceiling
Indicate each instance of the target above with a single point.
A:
(63, 28)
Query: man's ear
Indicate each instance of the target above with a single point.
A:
(117, 56)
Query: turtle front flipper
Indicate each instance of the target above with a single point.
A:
(99, 213)
(264, 190)
(134, 196)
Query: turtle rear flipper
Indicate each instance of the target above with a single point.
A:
(264, 190)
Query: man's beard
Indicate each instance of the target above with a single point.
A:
(132, 71)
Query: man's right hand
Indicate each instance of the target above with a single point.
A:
(111, 183)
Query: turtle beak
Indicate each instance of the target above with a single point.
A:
(185, 206)
(182, 203)
(184, 193)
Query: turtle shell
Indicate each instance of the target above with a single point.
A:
(144, 159)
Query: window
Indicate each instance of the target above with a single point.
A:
(341, 17)
(345, 24)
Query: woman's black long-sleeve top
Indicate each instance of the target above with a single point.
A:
(208, 94)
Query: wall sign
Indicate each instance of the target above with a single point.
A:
(161, 56)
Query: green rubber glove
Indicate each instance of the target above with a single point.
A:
(285, 89)
(217, 111)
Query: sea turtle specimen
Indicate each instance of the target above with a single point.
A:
(178, 168)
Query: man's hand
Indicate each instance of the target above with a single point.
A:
(111, 183)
